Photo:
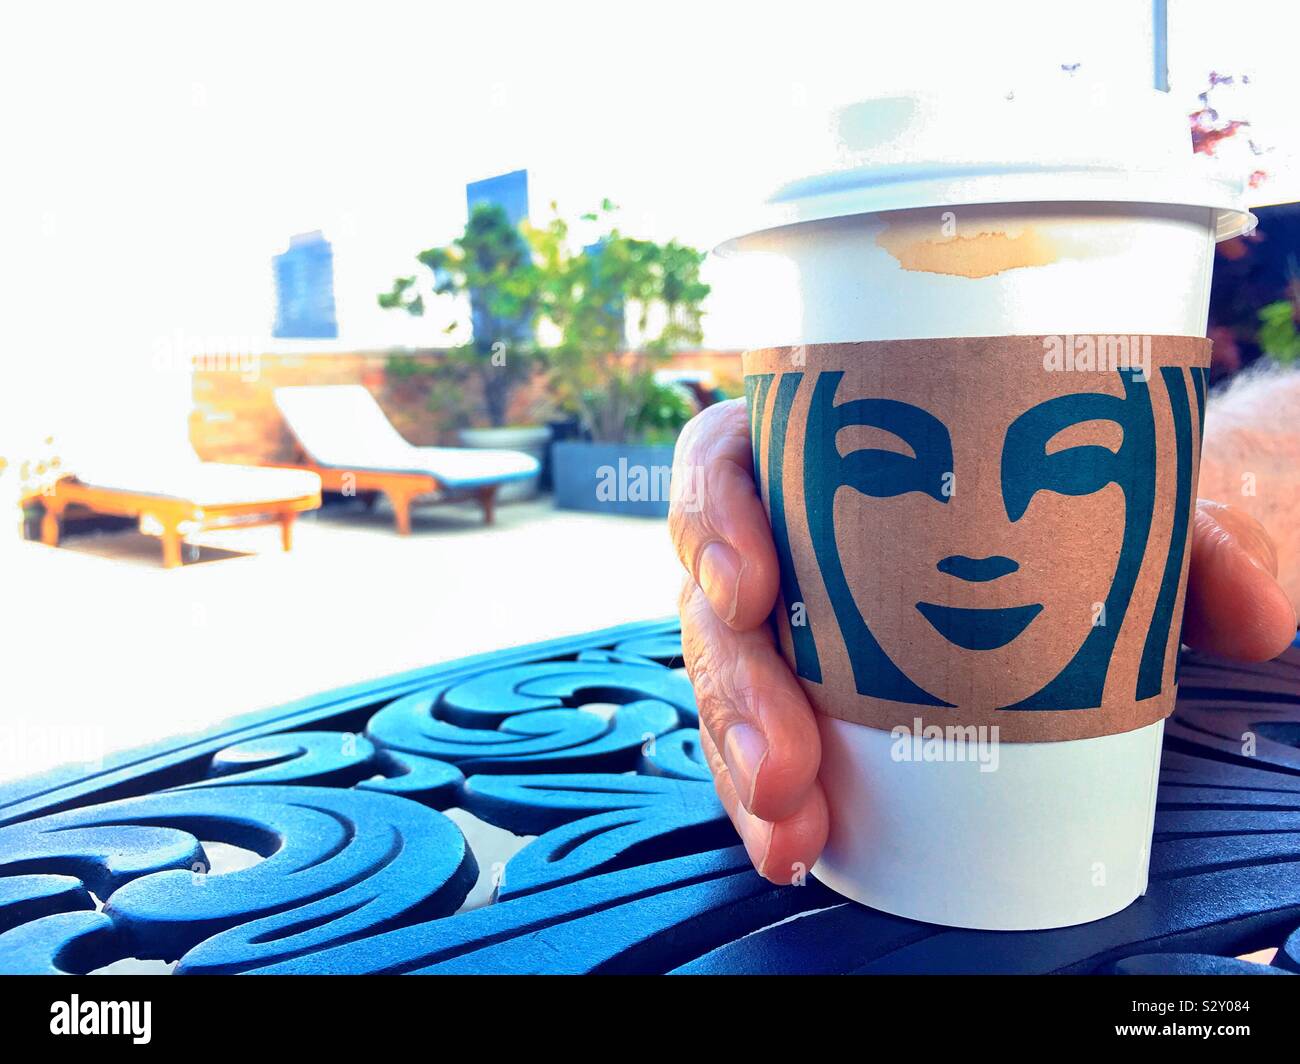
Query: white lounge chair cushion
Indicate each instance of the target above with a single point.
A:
(341, 426)
(207, 484)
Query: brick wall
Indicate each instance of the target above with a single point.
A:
(234, 417)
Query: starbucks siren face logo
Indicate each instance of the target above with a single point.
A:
(977, 537)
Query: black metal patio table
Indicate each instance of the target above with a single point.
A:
(357, 867)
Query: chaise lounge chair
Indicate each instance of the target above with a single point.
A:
(182, 496)
(344, 437)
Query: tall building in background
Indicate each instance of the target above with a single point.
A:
(304, 289)
(510, 193)
(507, 191)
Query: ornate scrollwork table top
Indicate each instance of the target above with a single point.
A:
(546, 809)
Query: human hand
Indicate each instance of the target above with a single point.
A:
(757, 728)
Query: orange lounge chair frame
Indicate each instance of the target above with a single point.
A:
(402, 489)
(172, 514)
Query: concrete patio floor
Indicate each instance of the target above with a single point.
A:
(113, 651)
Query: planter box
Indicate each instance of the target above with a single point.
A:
(531, 439)
(612, 478)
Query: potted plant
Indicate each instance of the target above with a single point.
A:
(593, 297)
(491, 265)
(29, 469)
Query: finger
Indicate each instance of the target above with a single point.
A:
(753, 709)
(1235, 606)
(781, 849)
(717, 520)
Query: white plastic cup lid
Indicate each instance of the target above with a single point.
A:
(1061, 142)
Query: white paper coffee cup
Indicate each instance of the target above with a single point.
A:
(914, 237)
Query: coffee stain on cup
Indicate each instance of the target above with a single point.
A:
(982, 254)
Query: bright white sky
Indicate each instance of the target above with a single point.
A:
(163, 152)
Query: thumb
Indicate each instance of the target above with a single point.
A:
(1235, 606)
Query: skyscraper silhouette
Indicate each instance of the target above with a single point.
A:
(304, 286)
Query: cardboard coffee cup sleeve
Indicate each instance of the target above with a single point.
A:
(982, 532)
